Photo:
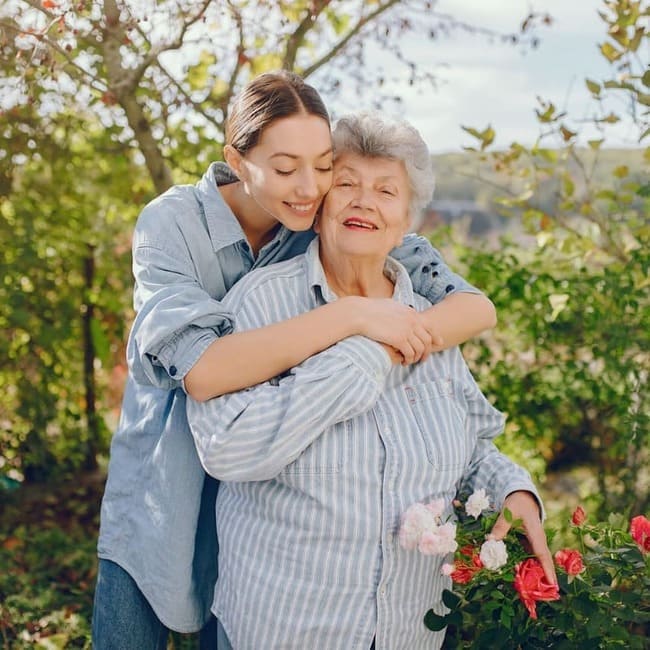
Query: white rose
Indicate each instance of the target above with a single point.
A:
(493, 554)
(476, 503)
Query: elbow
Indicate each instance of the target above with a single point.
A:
(490, 315)
(197, 387)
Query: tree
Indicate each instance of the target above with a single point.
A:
(165, 75)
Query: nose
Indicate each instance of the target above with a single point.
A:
(308, 187)
(362, 198)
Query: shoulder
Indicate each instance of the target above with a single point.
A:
(167, 216)
(270, 281)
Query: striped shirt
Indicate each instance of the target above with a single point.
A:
(319, 465)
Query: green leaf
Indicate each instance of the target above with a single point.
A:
(610, 52)
(644, 190)
(435, 622)
(450, 599)
(593, 87)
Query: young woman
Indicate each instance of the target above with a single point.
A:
(157, 546)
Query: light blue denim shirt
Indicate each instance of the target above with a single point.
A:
(319, 465)
(157, 518)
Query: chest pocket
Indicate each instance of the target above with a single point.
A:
(438, 410)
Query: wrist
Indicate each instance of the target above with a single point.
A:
(350, 315)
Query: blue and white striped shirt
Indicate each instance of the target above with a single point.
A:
(318, 467)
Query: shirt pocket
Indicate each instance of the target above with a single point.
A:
(440, 418)
(324, 456)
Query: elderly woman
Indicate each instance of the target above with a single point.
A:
(319, 465)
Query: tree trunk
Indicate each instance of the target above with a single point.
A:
(88, 313)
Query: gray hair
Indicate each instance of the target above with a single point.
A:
(371, 135)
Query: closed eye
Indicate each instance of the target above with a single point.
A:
(281, 172)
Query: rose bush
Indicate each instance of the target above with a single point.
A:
(602, 600)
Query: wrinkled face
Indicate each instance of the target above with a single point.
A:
(366, 211)
(289, 170)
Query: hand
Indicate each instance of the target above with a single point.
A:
(395, 356)
(524, 506)
(396, 325)
(437, 341)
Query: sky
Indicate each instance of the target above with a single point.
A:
(497, 84)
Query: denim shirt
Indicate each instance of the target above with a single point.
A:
(157, 517)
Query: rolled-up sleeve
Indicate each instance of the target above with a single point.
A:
(253, 434)
(431, 277)
(489, 468)
(176, 318)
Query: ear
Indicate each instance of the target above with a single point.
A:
(234, 160)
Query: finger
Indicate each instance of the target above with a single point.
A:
(537, 538)
(500, 528)
(418, 346)
(407, 351)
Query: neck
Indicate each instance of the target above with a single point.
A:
(258, 225)
(355, 276)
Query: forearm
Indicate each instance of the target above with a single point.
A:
(497, 474)
(247, 358)
(253, 434)
(459, 317)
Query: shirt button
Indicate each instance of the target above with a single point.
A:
(449, 287)
(172, 371)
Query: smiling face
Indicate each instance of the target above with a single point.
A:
(289, 170)
(366, 211)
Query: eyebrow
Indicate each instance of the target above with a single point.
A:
(346, 168)
(294, 157)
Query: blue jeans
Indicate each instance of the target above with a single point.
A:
(124, 620)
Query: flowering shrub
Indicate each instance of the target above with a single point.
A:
(501, 598)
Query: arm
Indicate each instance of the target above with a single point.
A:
(178, 335)
(507, 483)
(460, 311)
(253, 434)
(247, 358)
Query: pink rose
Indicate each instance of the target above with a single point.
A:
(579, 516)
(640, 531)
(570, 561)
(439, 540)
(415, 521)
(531, 585)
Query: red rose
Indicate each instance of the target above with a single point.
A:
(531, 585)
(464, 571)
(640, 531)
(579, 516)
(570, 561)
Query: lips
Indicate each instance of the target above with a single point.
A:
(303, 208)
(362, 224)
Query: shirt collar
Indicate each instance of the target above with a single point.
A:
(223, 225)
(393, 270)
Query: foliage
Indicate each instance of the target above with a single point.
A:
(48, 555)
(64, 297)
(164, 77)
(569, 362)
(604, 592)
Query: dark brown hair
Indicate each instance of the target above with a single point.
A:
(271, 96)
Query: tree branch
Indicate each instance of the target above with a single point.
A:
(361, 23)
(298, 36)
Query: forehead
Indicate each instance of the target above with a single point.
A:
(298, 135)
(371, 167)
